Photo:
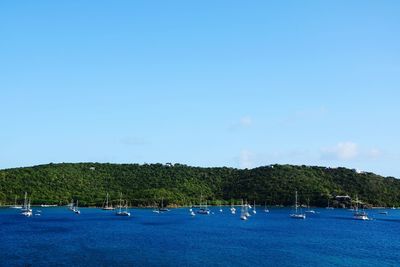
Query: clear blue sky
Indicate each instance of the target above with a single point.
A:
(204, 83)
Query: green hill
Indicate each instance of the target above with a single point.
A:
(180, 184)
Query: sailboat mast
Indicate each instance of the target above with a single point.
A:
(295, 204)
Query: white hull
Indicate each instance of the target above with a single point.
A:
(298, 216)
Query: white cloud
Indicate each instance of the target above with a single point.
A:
(341, 151)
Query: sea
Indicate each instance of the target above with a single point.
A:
(58, 237)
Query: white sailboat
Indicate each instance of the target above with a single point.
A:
(329, 208)
(26, 210)
(122, 212)
(246, 210)
(265, 207)
(106, 205)
(233, 209)
(297, 215)
(309, 210)
(15, 204)
(220, 207)
(76, 208)
(254, 208)
(360, 215)
(243, 212)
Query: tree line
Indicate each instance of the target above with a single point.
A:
(177, 184)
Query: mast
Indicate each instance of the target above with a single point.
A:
(295, 204)
(107, 201)
(25, 201)
(120, 202)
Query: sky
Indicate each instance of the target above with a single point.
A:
(204, 83)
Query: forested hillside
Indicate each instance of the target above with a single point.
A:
(180, 184)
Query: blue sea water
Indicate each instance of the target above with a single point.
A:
(99, 238)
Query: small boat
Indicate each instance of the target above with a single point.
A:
(254, 209)
(329, 208)
(27, 211)
(106, 205)
(243, 212)
(384, 212)
(233, 209)
(15, 204)
(309, 210)
(360, 215)
(297, 215)
(192, 212)
(220, 207)
(393, 208)
(203, 208)
(162, 208)
(122, 212)
(76, 208)
(265, 207)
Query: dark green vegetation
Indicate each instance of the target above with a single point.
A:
(181, 184)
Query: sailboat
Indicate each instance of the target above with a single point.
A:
(254, 207)
(106, 205)
(122, 212)
(297, 215)
(75, 209)
(191, 210)
(15, 204)
(246, 210)
(220, 207)
(243, 212)
(26, 210)
(329, 208)
(233, 209)
(309, 210)
(360, 215)
(265, 207)
(203, 209)
(162, 208)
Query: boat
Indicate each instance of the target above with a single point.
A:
(233, 209)
(360, 215)
(26, 210)
(309, 210)
(393, 208)
(265, 207)
(243, 212)
(254, 209)
(192, 212)
(384, 212)
(76, 209)
(329, 208)
(106, 205)
(122, 212)
(203, 209)
(15, 204)
(297, 215)
(246, 210)
(71, 205)
(220, 207)
(162, 208)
